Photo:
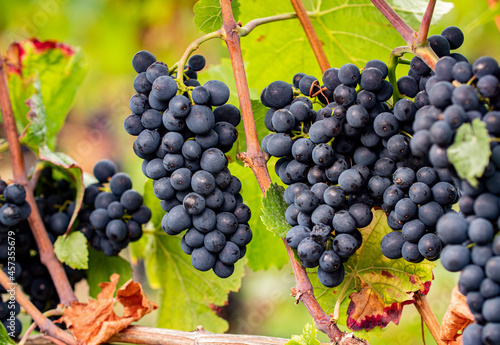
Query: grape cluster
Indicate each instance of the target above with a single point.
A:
(183, 132)
(54, 200)
(339, 160)
(457, 92)
(54, 196)
(112, 215)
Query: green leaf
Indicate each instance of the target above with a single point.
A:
(276, 51)
(187, 295)
(51, 72)
(266, 250)
(308, 336)
(208, 14)
(70, 168)
(470, 152)
(487, 16)
(375, 288)
(101, 267)
(4, 336)
(72, 250)
(273, 211)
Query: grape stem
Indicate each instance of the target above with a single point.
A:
(45, 248)
(248, 27)
(422, 49)
(311, 34)
(193, 46)
(399, 24)
(53, 312)
(45, 325)
(396, 54)
(423, 31)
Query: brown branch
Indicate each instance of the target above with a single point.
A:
(492, 4)
(423, 31)
(304, 293)
(160, 336)
(254, 157)
(45, 248)
(45, 325)
(430, 320)
(399, 24)
(311, 34)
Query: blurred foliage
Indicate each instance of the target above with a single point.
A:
(110, 32)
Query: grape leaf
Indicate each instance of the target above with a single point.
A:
(276, 51)
(187, 295)
(101, 267)
(208, 14)
(273, 211)
(4, 336)
(470, 152)
(486, 16)
(308, 336)
(72, 250)
(375, 288)
(52, 72)
(266, 250)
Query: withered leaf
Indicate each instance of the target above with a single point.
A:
(457, 317)
(95, 322)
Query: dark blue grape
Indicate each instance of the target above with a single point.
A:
(202, 259)
(142, 60)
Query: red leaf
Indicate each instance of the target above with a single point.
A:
(367, 311)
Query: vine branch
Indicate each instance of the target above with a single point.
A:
(428, 316)
(45, 248)
(45, 325)
(423, 31)
(311, 34)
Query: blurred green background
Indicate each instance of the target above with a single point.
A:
(110, 32)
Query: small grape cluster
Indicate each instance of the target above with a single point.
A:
(183, 141)
(54, 199)
(112, 214)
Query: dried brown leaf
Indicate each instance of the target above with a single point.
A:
(95, 322)
(457, 317)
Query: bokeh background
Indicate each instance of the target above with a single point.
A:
(110, 32)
